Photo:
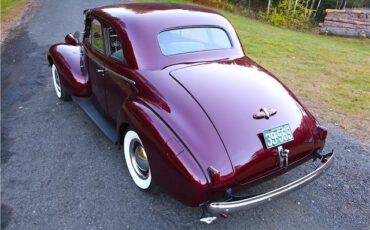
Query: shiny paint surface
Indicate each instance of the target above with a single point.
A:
(141, 23)
(68, 60)
(241, 83)
(192, 111)
(69, 39)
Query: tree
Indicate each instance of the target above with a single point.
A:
(312, 4)
(295, 6)
(345, 3)
(268, 6)
(306, 8)
(317, 8)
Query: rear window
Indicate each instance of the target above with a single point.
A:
(187, 40)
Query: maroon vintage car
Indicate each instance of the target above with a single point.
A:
(172, 85)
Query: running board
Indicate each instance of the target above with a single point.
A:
(88, 107)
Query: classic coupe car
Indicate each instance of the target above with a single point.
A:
(194, 115)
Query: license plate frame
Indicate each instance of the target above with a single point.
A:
(277, 136)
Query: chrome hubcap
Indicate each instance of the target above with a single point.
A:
(139, 159)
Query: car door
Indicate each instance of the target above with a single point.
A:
(95, 51)
(118, 75)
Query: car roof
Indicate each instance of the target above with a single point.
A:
(142, 22)
(149, 12)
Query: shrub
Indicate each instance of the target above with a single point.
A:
(284, 15)
(280, 15)
(225, 5)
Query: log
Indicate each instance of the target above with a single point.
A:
(349, 17)
(357, 11)
(344, 32)
(354, 23)
(363, 17)
(348, 22)
(345, 26)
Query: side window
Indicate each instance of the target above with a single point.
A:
(97, 35)
(115, 45)
(87, 29)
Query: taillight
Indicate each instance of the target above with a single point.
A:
(322, 132)
(215, 175)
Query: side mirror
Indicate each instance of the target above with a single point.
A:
(77, 35)
(71, 40)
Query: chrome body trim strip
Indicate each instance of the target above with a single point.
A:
(121, 76)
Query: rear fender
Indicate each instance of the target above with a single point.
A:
(173, 168)
(69, 62)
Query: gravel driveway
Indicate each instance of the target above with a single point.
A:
(60, 172)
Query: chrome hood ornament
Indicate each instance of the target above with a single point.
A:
(264, 113)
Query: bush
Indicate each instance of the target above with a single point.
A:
(225, 5)
(280, 15)
(284, 15)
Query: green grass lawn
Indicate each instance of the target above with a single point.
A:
(8, 5)
(330, 74)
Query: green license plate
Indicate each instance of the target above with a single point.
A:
(277, 136)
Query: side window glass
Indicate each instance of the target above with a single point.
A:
(97, 35)
(115, 45)
(87, 29)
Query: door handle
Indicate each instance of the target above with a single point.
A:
(100, 70)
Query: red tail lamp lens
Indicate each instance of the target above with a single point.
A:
(215, 175)
(322, 132)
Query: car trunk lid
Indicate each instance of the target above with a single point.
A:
(230, 93)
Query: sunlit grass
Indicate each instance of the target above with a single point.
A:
(334, 72)
(7, 6)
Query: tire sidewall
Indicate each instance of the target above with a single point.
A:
(130, 136)
(59, 92)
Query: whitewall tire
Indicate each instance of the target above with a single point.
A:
(61, 94)
(136, 160)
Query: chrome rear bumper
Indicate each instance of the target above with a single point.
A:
(223, 208)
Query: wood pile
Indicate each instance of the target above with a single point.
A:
(347, 22)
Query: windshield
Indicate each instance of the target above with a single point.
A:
(187, 40)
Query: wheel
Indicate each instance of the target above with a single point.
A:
(137, 160)
(61, 93)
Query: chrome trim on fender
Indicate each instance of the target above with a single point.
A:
(217, 208)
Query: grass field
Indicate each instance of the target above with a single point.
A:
(331, 75)
(8, 5)
(11, 12)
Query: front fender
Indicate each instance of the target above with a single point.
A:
(70, 65)
(172, 166)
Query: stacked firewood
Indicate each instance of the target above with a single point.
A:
(347, 22)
